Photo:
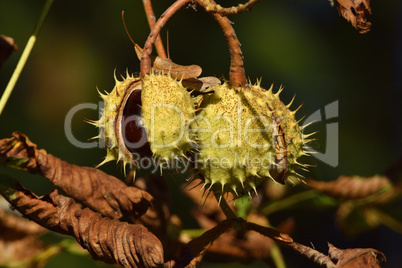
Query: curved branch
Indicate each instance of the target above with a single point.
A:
(313, 255)
(149, 11)
(145, 58)
(237, 76)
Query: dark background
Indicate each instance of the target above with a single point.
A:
(303, 45)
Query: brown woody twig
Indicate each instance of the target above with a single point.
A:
(313, 255)
(149, 11)
(147, 50)
(237, 75)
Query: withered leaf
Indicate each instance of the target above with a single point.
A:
(201, 84)
(355, 11)
(108, 240)
(98, 190)
(167, 66)
(357, 257)
(352, 187)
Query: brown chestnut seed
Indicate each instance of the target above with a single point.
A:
(117, 127)
(133, 132)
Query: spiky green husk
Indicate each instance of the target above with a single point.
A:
(262, 99)
(109, 122)
(167, 110)
(237, 135)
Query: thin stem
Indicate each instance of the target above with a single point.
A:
(237, 75)
(385, 219)
(313, 255)
(149, 11)
(270, 232)
(39, 259)
(200, 245)
(277, 256)
(24, 57)
(287, 202)
(229, 213)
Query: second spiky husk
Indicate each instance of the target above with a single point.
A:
(246, 135)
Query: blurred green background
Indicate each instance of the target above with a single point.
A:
(303, 45)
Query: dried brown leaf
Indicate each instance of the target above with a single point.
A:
(357, 257)
(98, 190)
(213, 7)
(355, 11)
(7, 46)
(167, 66)
(108, 240)
(201, 84)
(351, 187)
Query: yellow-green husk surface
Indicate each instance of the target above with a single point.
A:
(167, 111)
(239, 132)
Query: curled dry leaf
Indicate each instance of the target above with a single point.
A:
(98, 190)
(355, 11)
(108, 240)
(352, 187)
(211, 6)
(356, 257)
(167, 66)
(201, 84)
